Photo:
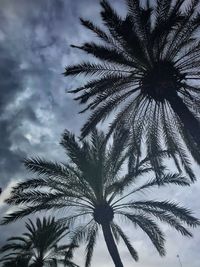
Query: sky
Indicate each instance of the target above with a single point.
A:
(35, 38)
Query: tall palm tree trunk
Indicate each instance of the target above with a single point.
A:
(38, 263)
(191, 124)
(111, 245)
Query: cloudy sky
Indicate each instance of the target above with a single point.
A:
(35, 38)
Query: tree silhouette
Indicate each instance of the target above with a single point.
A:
(148, 62)
(97, 189)
(16, 262)
(38, 247)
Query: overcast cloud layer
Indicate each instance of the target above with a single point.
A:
(35, 38)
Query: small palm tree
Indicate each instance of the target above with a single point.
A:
(147, 63)
(96, 189)
(38, 247)
(16, 262)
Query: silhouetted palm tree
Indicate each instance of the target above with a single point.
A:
(147, 62)
(38, 247)
(95, 186)
(16, 262)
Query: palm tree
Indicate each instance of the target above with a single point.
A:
(38, 247)
(95, 186)
(146, 68)
(16, 262)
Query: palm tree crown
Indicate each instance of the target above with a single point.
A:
(18, 261)
(95, 186)
(38, 247)
(147, 62)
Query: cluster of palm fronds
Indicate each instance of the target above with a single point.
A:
(146, 63)
(38, 246)
(97, 189)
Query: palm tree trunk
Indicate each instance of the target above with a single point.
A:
(38, 263)
(191, 124)
(111, 245)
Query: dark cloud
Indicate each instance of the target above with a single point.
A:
(30, 56)
(11, 84)
(34, 109)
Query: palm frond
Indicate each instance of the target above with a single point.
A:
(93, 69)
(183, 214)
(132, 251)
(90, 244)
(150, 228)
(99, 32)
